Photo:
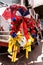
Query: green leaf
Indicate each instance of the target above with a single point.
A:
(17, 43)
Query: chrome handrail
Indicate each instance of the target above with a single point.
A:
(4, 35)
(5, 31)
(2, 40)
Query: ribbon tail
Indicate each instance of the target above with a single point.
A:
(27, 54)
(14, 54)
(28, 49)
(25, 31)
(10, 45)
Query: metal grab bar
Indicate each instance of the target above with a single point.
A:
(4, 31)
(2, 40)
(4, 35)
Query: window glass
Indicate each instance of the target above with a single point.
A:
(16, 1)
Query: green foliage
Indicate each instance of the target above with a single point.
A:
(17, 44)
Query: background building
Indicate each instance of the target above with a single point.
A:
(10, 1)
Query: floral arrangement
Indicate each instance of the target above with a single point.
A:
(22, 31)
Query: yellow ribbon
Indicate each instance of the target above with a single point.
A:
(28, 46)
(12, 48)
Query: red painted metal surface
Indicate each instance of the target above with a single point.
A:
(5, 44)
